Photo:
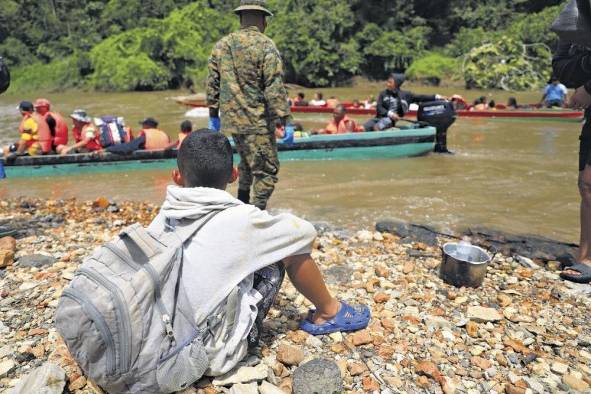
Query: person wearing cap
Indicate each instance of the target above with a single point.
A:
(150, 138)
(85, 134)
(245, 87)
(394, 103)
(35, 136)
(57, 124)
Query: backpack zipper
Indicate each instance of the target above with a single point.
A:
(100, 323)
(122, 314)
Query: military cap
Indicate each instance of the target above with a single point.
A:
(253, 5)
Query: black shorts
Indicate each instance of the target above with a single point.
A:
(585, 147)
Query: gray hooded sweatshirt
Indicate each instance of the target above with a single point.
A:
(222, 258)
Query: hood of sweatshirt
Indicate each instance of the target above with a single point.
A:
(194, 203)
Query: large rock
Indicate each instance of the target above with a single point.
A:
(243, 375)
(481, 314)
(6, 258)
(575, 383)
(318, 377)
(409, 232)
(36, 260)
(8, 243)
(47, 379)
(5, 367)
(290, 355)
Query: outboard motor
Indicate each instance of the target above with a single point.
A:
(441, 115)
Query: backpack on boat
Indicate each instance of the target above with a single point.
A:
(111, 131)
(4, 76)
(126, 317)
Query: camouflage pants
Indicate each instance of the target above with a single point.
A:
(259, 165)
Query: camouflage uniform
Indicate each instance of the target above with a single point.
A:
(245, 84)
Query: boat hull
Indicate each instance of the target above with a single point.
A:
(393, 144)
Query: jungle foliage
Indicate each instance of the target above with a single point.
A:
(159, 44)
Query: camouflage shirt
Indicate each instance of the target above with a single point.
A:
(245, 83)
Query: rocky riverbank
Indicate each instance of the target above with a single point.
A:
(524, 331)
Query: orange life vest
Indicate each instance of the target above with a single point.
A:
(346, 125)
(182, 137)
(156, 139)
(61, 129)
(42, 135)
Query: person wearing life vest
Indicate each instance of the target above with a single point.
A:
(85, 134)
(186, 130)
(149, 138)
(341, 123)
(35, 137)
(57, 125)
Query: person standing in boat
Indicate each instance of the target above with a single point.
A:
(394, 103)
(245, 86)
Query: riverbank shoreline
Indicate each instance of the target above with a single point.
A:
(524, 330)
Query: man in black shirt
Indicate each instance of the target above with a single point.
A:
(572, 65)
(394, 103)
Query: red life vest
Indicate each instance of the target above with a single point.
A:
(60, 134)
(156, 139)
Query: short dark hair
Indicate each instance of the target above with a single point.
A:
(340, 108)
(301, 95)
(186, 126)
(205, 160)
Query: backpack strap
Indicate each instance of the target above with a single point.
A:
(137, 235)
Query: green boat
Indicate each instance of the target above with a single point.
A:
(390, 144)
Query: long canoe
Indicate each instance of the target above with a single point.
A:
(532, 114)
(390, 144)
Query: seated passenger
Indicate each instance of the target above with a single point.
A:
(394, 103)
(555, 94)
(86, 135)
(492, 105)
(356, 104)
(370, 103)
(149, 138)
(512, 104)
(57, 124)
(480, 104)
(318, 100)
(186, 129)
(341, 124)
(332, 102)
(300, 100)
(459, 102)
(35, 136)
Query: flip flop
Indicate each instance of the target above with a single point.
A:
(349, 318)
(584, 271)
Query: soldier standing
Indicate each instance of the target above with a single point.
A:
(245, 87)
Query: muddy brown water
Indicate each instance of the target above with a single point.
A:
(512, 175)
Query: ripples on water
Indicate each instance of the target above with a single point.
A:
(516, 176)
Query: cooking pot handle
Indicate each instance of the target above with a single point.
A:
(494, 251)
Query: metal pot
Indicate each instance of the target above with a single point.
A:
(464, 265)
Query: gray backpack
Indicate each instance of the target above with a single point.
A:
(126, 318)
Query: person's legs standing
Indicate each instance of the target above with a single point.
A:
(245, 179)
(264, 167)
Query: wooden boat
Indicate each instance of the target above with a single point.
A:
(394, 143)
(527, 114)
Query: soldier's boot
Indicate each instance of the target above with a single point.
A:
(244, 196)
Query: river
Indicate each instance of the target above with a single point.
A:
(512, 175)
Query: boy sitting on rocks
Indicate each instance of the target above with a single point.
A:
(243, 249)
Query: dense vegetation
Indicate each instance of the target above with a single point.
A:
(158, 44)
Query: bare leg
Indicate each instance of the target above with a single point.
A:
(585, 191)
(307, 279)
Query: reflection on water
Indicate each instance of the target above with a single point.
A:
(516, 176)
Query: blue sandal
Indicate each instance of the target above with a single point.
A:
(349, 318)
